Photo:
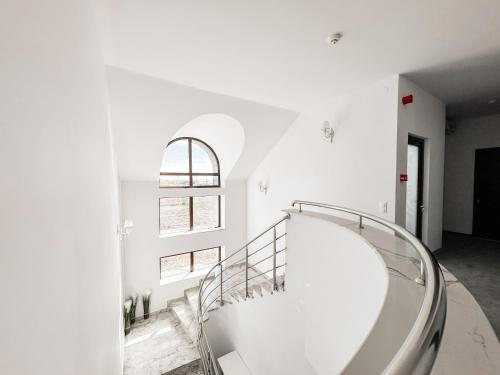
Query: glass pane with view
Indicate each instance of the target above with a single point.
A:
(176, 266)
(176, 157)
(203, 158)
(205, 259)
(206, 212)
(174, 215)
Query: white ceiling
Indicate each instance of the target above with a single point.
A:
(465, 86)
(275, 51)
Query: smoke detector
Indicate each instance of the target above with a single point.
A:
(333, 39)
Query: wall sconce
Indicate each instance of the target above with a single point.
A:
(328, 130)
(262, 187)
(125, 229)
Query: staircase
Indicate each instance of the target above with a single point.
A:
(185, 309)
(255, 270)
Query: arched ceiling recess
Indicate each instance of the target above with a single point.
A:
(147, 113)
(223, 133)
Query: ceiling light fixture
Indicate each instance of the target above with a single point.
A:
(334, 39)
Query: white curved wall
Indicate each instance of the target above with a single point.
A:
(336, 285)
(59, 260)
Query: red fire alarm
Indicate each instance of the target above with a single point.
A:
(407, 99)
(403, 177)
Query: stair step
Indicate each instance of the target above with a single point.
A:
(183, 311)
(192, 368)
(192, 299)
(232, 364)
(267, 286)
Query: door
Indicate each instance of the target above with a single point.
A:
(414, 186)
(487, 194)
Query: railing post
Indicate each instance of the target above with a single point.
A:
(246, 273)
(361, 222)
(421, 279)
(275, 285)
(300, 207)
(221, 299)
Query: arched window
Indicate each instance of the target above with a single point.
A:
(189, 162)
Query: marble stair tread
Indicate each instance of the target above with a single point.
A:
(158, 346)
(233, 364)
(192, 368)
(191, 296)
(183, 311)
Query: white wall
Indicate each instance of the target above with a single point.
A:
(318, 324)
(424, 118)
(356, 170)
(147, 112)
(470, 135)
(143, 248)
(59, 258)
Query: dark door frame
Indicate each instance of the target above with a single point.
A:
(420, 143)
(475, 206)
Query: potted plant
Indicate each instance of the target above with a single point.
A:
(127, 306)
(146, 297)
(133, 298)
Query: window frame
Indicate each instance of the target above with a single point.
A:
(191, 257)
(190, 174)
(191, 216)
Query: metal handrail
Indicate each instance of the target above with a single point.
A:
(208, 360)
(419, 350)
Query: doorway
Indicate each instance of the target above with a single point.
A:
(487, 194)
(414, 185)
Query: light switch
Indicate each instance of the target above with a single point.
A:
(382, 207)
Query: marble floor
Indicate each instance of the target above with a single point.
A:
(158, 346)
(476, 263)
(165, 344)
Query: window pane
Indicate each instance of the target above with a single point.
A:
(412, 189)
(206, 212)
(206, 258)
(177, 181)
(176, 157)
(174, 266)
(203, 158)
(205, 181)
(174, 215)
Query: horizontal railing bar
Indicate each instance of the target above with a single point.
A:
(287, 216)
(232, 287)
(266, 245)
(263, 273)
(253, 277)
(236, 273)
(210, 305)
(223, 281)
(266, 258)
(206, 297)
(206, 286)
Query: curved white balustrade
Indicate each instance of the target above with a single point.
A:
(337, 281)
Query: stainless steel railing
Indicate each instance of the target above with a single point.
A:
(214, 293)
(420, 348)
(418, 351)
